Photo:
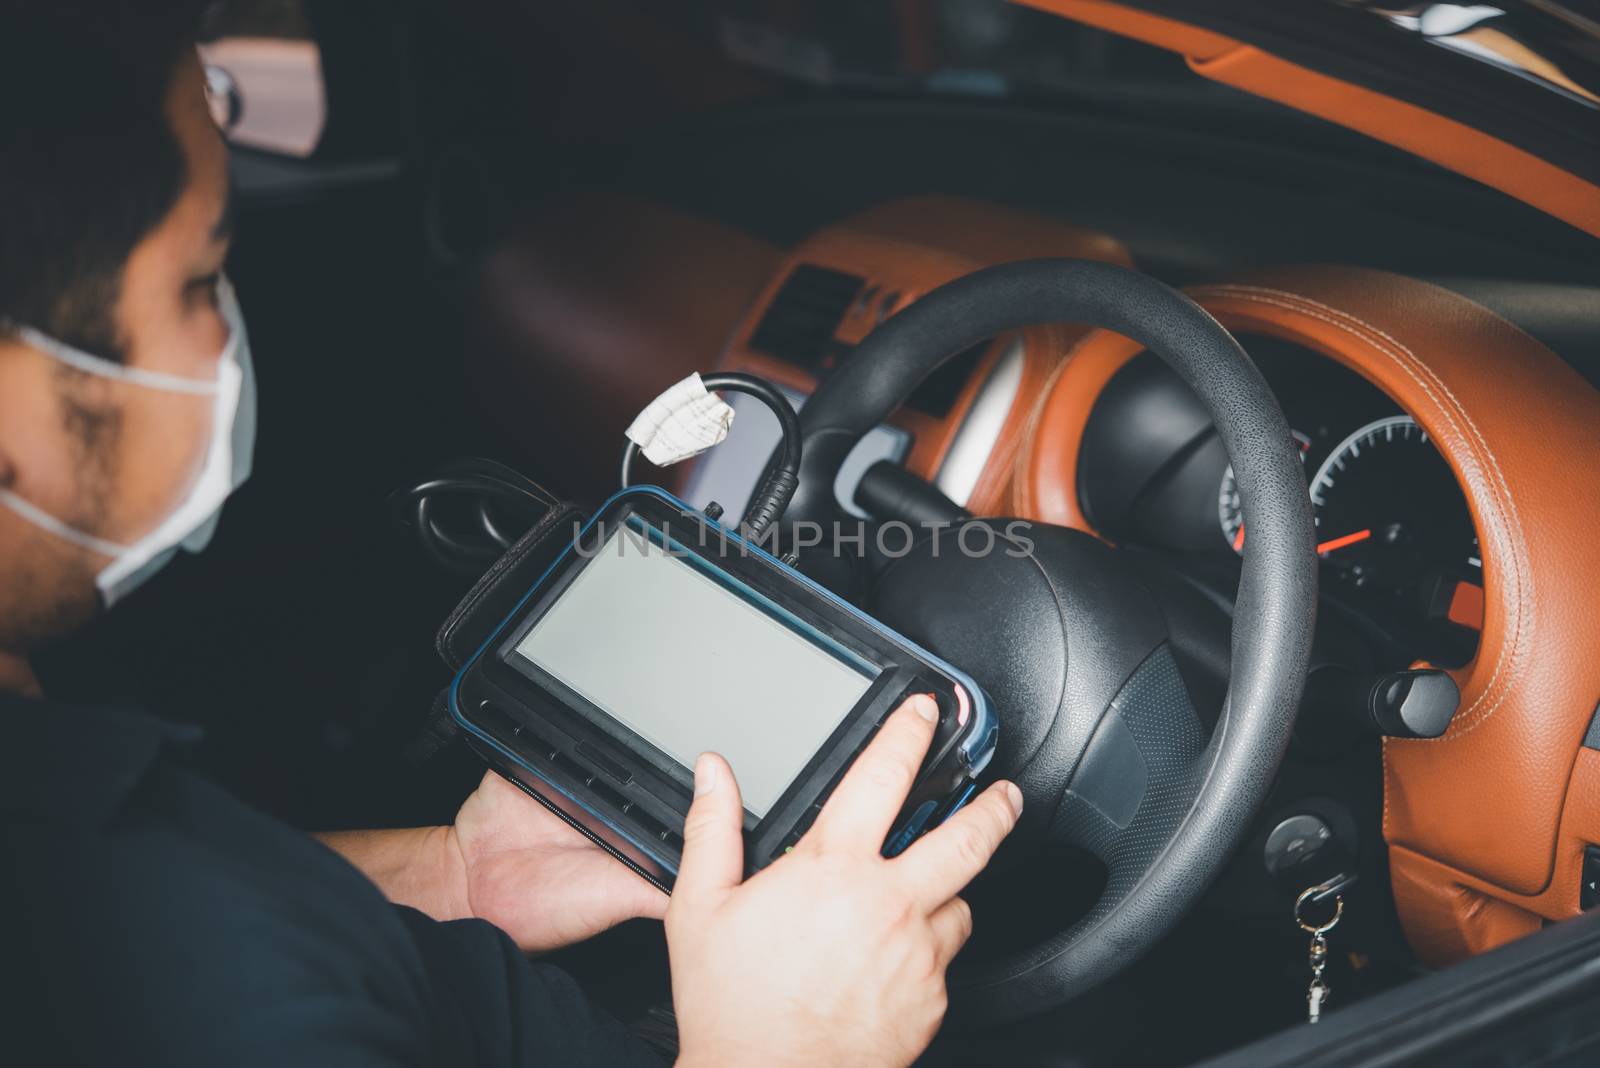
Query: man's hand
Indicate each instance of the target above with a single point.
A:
(508, 860)
(831, 955)
(536, 878)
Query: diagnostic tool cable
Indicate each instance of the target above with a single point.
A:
(777, 487)
(468, 512)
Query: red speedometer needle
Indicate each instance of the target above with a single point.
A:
(1339, 543)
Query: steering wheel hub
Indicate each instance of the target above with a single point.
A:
(1012, 616)
(1096, 724)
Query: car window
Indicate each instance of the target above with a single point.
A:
(979, 48)
(264, 74)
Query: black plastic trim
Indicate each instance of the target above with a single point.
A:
(1527, 1003)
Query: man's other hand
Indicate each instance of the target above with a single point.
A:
(536, 878)
(831, 955)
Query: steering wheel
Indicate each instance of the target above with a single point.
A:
(1097, 727)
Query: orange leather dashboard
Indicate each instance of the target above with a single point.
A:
(1486, 825)
(1452, 144)
(595, 303)
(591, 306)
(904, 248)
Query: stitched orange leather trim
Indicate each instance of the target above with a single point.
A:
(1502, 804)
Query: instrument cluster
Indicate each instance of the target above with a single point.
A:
(1394, 534)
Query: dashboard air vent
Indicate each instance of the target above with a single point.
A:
(799, 324)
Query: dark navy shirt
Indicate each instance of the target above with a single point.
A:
(152, 919)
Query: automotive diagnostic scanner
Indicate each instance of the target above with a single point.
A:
(660, 634)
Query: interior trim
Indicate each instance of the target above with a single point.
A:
(905, 248)
(979, 433)
(589, 307)
(1451, 144)
(1492, 816)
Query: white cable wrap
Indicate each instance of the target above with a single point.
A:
(684, 421)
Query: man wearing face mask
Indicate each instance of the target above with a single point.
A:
(151, 919)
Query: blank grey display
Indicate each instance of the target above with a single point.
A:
(691, 667)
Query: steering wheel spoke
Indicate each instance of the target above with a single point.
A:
(1139, 775)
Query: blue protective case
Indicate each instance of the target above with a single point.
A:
(653, 855)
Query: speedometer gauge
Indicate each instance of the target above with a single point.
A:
(1390, 515)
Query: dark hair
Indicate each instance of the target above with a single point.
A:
(89, 162)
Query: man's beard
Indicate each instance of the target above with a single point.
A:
(53, 594)
(52, 597)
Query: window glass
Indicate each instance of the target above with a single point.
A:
(264, 73)
(978, 48)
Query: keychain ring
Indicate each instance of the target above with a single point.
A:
(1313, 929)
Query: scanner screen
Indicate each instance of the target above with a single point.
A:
(691, 666)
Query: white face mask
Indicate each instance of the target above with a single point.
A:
(227, 462)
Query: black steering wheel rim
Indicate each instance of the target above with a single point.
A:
(1274, 610)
